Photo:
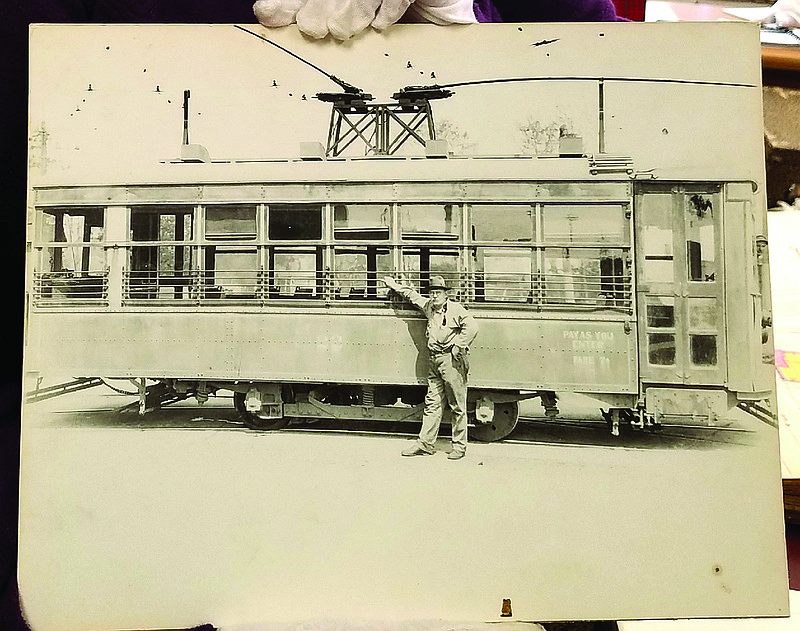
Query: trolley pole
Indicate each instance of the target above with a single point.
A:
(602, 117)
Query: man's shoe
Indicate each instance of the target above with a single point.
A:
(456, 455)
(416, 450)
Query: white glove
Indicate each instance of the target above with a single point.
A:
(391, 283)
(275, 13)
(445, 11)
(340, 18)
(786, 13)
(345, 18)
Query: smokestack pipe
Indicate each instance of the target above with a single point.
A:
(186, 96)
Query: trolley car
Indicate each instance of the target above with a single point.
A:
(263, 279)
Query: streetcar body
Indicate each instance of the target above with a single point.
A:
(265, 279)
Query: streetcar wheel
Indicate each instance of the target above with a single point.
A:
(254, 421)
(502, 424)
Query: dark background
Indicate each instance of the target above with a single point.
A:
(15, 18)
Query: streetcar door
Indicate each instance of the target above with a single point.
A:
(680, 283)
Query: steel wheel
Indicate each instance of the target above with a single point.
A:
(254, 421)
(502, 424)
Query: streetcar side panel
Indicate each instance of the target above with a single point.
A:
(318, 346)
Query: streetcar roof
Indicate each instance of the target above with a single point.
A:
(366, 169)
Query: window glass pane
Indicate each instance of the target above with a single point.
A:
(361, 221)
(656, 213)
(430, 221)
(700, 246)
(591, 277)
(357, 272)
(502, 222)
(659, 270)
(704, 349)
(295, 274)
(232, 222)
(661, 348)
(48, 228)
(585, 224)
(444, 264)
(703, 313)
(504, 275)
(661, 316)
(235, 271)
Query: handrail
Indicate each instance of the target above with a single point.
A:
(67, 287)
(534, 290)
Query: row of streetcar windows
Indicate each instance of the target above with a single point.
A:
(576, 254)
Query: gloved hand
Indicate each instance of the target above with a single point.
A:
(785, 13)
(444, 12)
(345, 18)
(391, 283)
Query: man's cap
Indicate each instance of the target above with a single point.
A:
(437, 282)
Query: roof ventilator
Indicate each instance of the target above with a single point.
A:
(607, 163)
(312, 151)
(436, 149)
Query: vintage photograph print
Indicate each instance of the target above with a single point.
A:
(466, 324)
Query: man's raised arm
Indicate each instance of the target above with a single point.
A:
(406, 292)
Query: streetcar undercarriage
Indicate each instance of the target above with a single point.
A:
(493, 414)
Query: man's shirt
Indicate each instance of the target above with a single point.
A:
(450, 325)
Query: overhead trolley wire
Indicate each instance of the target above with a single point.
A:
(621, 79)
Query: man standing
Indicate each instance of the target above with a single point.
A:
(450, 331)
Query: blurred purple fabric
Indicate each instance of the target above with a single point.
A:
(241, 11)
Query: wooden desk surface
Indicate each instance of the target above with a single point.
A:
(780, 58)
(772, 57)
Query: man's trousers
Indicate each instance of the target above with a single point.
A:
(447, 384)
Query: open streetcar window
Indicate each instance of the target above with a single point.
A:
(232, 270)
(356, 272)
(160, 267)
(361, 222)
(73, 261)
(503, 274)
(420, 264)
(586, 277)
(295, 222)
(294, 273)
(74, 227)
(661, 349)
